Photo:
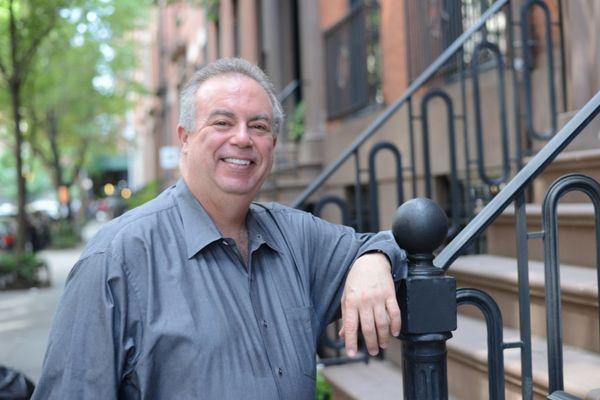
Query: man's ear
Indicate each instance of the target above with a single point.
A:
(183, 138)
(274, 140)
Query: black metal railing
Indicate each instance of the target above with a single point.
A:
(420, 226)
(406, 99)
(515, 192)
(480, 52)
(486, 51)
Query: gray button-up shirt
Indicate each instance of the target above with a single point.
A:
(161, 305)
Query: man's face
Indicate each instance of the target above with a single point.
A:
(232, 150)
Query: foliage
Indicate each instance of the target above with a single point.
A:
(24, 26)
(64, 235)
(21, 270)
(75, 64)
(211, 8)
(296, 124)
(324, 391)
(35, 173)
(145, 194)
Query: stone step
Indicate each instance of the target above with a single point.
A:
(467, 365)
(575, 225)
(497, 276)
(585, 162)
(377, 380)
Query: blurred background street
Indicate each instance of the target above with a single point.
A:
(26, 316)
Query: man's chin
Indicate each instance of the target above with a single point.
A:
(239, 190)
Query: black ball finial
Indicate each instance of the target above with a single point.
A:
(420, 226)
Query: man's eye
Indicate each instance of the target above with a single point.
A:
(261, 128)
(221, 123)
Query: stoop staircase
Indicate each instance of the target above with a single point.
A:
(501, 234)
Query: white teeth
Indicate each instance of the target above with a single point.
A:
(237, 161)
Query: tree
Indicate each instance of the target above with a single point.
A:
(23, 27)
(78, 94)
(61, 64)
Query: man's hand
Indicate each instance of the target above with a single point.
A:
(369, 298)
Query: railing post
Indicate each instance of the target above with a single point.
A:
(427, 300)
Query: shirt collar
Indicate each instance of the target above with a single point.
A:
(200, 230)
(258, 228)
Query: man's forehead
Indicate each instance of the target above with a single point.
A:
(227, 87)
(231, 79)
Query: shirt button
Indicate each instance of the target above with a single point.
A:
(265, 323)
(279, 371)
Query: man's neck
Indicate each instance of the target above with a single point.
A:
(231, 221)
(228, 211)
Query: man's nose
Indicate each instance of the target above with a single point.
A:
(241, 136)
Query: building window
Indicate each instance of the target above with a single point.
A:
(433, 25)
(352, 61)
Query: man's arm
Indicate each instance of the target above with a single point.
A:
(89, 342)
(361, 267)
(369, 300)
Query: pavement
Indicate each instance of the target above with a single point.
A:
(26, 315)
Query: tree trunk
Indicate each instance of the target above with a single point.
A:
(15, 91)
(15, 84)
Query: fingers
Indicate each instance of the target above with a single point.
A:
(350, 328)
(369, 331)
(393, 312)
(377, 324)
(382, 324)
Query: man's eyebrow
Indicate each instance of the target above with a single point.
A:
(261, 117)
(221, 112)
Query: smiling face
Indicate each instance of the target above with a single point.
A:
(231, 152)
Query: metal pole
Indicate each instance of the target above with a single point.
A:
(427, 300)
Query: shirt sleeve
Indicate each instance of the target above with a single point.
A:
(331, 250)
(92, 342)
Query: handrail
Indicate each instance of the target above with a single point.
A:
(522, 179)
(288, 90)
(412, 89)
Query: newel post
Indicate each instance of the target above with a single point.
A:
(427, 300)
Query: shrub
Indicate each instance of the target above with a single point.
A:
(146, 193)
(324, 391)
(64, 235)
(21, 271)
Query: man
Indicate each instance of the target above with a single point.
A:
(202, 294)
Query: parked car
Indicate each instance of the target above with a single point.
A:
(38, 231)
(8, 233)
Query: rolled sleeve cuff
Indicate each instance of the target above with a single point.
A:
(395, 255)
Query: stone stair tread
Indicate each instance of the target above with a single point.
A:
(581, 367)
(377, 380)
(576, 280)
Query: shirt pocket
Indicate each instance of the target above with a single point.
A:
(300, 322)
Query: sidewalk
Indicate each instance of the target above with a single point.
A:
(26, 315)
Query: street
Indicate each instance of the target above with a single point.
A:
(26, 316)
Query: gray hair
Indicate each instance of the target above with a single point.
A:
(188, 101)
